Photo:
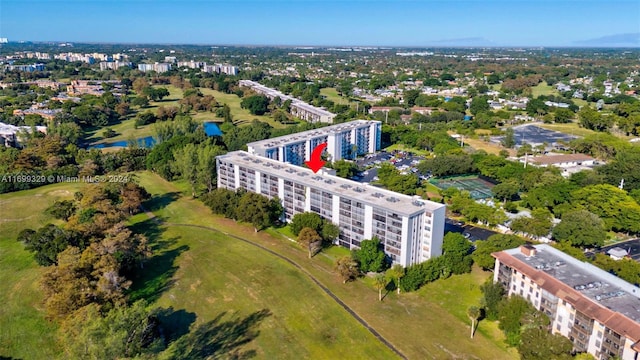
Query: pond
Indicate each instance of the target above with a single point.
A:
(210, 128)
(145, 142)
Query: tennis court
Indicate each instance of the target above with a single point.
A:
(477, 188)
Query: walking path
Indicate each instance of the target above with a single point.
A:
(297, 266)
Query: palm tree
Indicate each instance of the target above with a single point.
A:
(380, 282)
(474, 314)
(396, 273)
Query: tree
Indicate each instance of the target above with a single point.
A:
(61, 209)
(538, 344)
(581, 229)
(185, 163)
(410, 97)
(139, 84)
(347, 267)
(509, 140)
(538, 225)
(256, 104)
(479, 104)
(258, 210)
(305, 220)
(222, 201)
(562, 115)
(48, 242)
(396, 273)
(473, 312)
(309, 238)
(140, 101)
(618, 210)
(593, 120)
(456, 252)
(345, 169)
(507, 190)
(330, 231)
(492, 295)
(226, 113)
(370, 256)
(206, 165)
(124, 332)
(513, 312)
(155, 94)
(380, 282)
(123, 109)
(498, 242)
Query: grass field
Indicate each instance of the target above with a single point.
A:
(483, 145)
(432, 326)
(238, 113)
(332, 94)
(215, 274)
(543, 89)
(575, 129)
(212, 282)
(126, 129)
(402, 147)
(24, 332)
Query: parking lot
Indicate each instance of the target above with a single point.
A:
(469, 231)
(535, 135)
(632, 247)
(405, 163)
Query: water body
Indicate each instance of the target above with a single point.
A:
(145, 142)
(210, 128)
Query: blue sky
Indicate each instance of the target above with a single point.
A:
(311, 22)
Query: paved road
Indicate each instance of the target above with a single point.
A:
(297, 266)
(474, 233)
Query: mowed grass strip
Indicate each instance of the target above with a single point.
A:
(24, 331)
(418, 324)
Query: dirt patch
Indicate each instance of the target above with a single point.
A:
(58, 193)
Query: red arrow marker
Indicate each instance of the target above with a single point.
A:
(315, 161)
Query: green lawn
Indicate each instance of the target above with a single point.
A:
(24, 332)
(215, 274)
(436, 329)
(543, 89)
(332, 94)
(402, 147)
(575, 129)
(569, 128)
(212, 281)
(126, 129)
(238, 113)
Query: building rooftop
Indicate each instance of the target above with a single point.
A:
(309, 134)
(591, 290)
(8, 129)
(284, 97)
(308, 107)
(376, 197)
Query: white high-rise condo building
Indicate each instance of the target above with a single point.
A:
(411, 229)
(344, 141)
(597, 311)
(299, 108)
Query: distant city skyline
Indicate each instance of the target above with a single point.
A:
(402, 23)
